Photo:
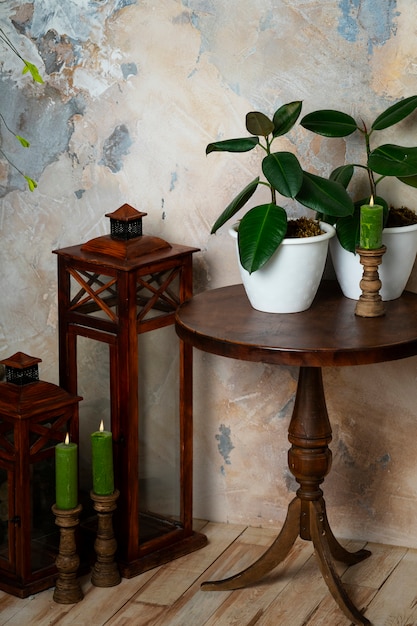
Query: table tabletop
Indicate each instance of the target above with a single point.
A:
(222, 321)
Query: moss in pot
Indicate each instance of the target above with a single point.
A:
(263, 228)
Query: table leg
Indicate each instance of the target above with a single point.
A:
(309, 460)
(276, 553)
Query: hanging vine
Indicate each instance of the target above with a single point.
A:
(34, 72)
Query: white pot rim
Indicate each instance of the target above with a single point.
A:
(400, 229)
(330, 231)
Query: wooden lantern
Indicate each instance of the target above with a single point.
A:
(112, 289)
(34, 417)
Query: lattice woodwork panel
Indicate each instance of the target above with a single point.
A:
(45, 435)
(157, 294)
(93, 294)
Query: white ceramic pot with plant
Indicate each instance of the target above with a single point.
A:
(288, 282)
(262, 230)
(400, 232)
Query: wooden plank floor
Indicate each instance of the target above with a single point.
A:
(294, 594)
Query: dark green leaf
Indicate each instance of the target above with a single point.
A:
(236, 204)
(342, 175)
(260, 233)
(409, 180)
(390, 160)
(233, 145)
(285, 117)
(329, 123)
(348, 231)
(258, 124)
(283, 172)
(395, 113)
(324, 196)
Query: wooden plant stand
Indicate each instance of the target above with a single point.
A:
(370, 302)
(67, 589)
(105, 571)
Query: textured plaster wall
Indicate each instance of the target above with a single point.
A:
(133, 92)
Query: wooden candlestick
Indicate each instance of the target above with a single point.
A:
(370, 302)
(105, 571)
(67, 588)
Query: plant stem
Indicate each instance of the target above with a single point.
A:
(372, 183)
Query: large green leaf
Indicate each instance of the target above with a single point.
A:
(324, 196)
(258, 124)
(409, 180)
(329, 123)
(342, 175)
(390, 160)
(284, 172)
(233, 145)
(285, 117)
(236, 204)
(395, 113)
(348, 231)
(260, 233)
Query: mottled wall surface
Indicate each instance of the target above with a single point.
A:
(133, 92)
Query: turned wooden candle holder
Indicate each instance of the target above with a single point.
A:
(370, 303)
(105, 571)
(67, 587)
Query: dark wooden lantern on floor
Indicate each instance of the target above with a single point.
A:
(34, 417)
(112, 289)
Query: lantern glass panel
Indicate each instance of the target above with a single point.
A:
(94, 386)
(159, 433)
(44, 532)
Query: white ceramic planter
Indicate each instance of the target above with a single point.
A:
(288, 282)
(394, 271)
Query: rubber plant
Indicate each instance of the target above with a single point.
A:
(30, 68)
(262, 229)
(386, 160)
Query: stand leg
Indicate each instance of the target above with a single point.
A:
(309, 460)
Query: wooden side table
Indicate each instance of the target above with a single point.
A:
(222, 322)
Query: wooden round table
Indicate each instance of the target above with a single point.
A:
(221, 321)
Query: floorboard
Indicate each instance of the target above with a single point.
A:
(294, 594)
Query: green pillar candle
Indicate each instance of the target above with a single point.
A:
(102, 461)
(66, 475)
(371, 224)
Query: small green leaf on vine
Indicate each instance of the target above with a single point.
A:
(23, 141)
(30, 67)
(32, 184)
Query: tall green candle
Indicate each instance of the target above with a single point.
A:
(66, 475)
(102, 461)
(371, 224)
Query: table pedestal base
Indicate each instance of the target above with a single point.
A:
(309, 460)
